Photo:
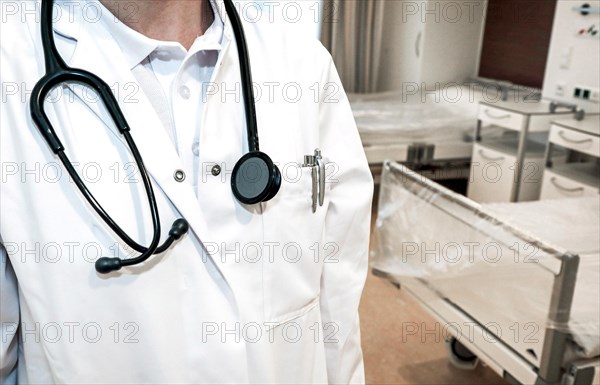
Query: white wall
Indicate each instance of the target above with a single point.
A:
(301, 16)
(583, 68)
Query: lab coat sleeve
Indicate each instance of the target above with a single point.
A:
(347, 227)
(9, 320)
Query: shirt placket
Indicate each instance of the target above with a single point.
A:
(185, 97)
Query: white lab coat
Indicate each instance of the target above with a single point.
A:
(263, 294)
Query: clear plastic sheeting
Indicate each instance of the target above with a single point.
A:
(498, 263)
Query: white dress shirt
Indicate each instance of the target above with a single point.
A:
(173, 78)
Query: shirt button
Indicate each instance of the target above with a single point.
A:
(184, 91)
(196, 148)
(216, 170)
(179, 176)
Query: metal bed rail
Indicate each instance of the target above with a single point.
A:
(550, 370)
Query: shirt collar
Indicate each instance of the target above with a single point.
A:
(136, 47)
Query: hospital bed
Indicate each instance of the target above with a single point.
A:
(430, 129)
(516, 285)
(417, 128)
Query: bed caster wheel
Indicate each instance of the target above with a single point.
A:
(461, 357)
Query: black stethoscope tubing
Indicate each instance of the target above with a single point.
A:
(246, 76)
(58, 72)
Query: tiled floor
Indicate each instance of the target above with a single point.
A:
(394, 354)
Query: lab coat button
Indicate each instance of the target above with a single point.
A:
(184, 91)
(179, 176)
(216, 170)
(196, 148)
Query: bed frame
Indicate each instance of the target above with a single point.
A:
(441, 161)
(419, 153)
(444, 160)
(500, 355)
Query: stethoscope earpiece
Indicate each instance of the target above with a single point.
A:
(255, 178)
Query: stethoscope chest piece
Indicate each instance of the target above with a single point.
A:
(255, 178)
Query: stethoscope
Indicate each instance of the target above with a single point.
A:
(255, 178)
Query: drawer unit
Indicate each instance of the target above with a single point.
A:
(578, 173)
(493, 175)
(575, 140)
(521, 164)
(557, 186)
(501, 118)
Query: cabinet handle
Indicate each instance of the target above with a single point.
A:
(498, 159)
(567, 139)
(488, 113)
(563, 188)
(418, 44)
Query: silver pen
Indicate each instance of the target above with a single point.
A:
(309, 161)
(321, 174)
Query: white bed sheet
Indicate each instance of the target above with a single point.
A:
(393, 117)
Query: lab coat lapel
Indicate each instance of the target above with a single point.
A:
(151, 138)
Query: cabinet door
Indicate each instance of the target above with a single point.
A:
(451, 40)
(400, 65)
(557, 186)
(492, 175)
(531, 179)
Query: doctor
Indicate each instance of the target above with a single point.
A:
(251, 293)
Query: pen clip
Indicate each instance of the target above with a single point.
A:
(321, 175)
(309, 161)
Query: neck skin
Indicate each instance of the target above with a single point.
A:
(168, 20)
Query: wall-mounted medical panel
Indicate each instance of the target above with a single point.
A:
(574, 58)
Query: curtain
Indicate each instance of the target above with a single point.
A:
(352, 31)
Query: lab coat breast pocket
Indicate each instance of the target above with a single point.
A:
(293, 234)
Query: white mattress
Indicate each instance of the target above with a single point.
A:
(392, 118)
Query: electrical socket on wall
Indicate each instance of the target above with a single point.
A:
(586, 93)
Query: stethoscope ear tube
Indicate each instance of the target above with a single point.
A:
(107, 265)
(178, 229)
(63, 75)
